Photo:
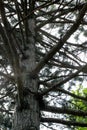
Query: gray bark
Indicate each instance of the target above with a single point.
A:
(27, 117)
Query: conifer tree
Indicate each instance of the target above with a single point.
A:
(42, 45)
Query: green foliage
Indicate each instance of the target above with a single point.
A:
(80, 105)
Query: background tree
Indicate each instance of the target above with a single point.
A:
(41, 59)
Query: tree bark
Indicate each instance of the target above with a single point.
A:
(27, 116)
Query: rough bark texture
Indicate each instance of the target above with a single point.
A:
(27, 117)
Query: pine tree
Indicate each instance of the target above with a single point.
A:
(40, 51)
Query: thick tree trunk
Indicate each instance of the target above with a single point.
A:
(27, 117)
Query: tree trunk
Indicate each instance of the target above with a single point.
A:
(27, 117)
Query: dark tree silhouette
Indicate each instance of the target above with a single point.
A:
(41, 58)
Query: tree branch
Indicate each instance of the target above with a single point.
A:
(64, 91)
(60, 44)
(62, 82)
(64, 110)
(64, 122)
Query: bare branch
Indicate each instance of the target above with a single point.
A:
(64, 110)
(64, 122)
(56, 48)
